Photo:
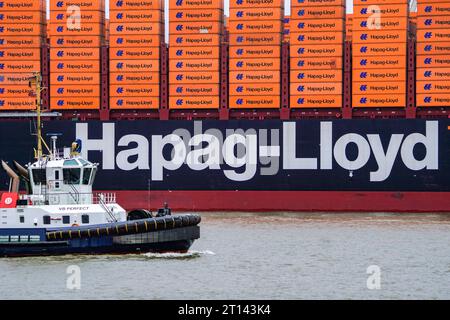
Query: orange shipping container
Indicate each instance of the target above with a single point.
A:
(194, 65)
(431, 74)
(254, 64)
(33, 17)
(434, 22)
(22, 30)
(134, 65)
(379, 101)
(23, 5)
(385, 10)
(272, 26)
(379, 49)
(334, 88)
(133, 78)
(75, 91)
(21, 42)
(83, 16)
(331, 63)
(433, 61)
(313, 25)
(140, 103)
(193, 77)
(194, 52)
(207, 102)
(234, 4)
(76, 41)
(433, 100)
(252, 89)
(20, 54)
(85, 29)
(15, 78)
(195, 40)
(139, 16)
(195, 15)
(317, 38)
(204, 27)
(136, 5)
(433, 48)
(309, 101)
(253, 39)
(380, 75)
(18, 103)
(74, 78)
(434, 35)
(149, 90)
(317, 3)
(15, 91)
(366, 24)
(267, 76)
(136, 28)
(74, 103)
(379, 62)
(379, 87)
(20, 66)
(259, 102)
(316, 76)
(64, 5)
(256, 13)
(433, 9)
(430, 87)
(190, 4)
(383, 36)
(377, 2)
(75, 53)
(314, 51)
(89, 66)
(181, 90)
(330, 12)
(134, 53)
(135, 41)
(257, 52)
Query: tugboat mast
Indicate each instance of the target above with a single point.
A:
(35, 84)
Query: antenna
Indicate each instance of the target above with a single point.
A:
(35, 83)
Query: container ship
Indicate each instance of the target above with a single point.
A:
(254, 111)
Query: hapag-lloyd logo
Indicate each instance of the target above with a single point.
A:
(243, 154)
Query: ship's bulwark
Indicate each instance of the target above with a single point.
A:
(355, 165)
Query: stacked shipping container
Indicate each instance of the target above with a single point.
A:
(433, 53)
(256, 33)
(22, 34)
(195, 29)
(137, 31)
(380, 36)
(77, 30)
(317, 43)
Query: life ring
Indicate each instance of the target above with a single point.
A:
(75, 225)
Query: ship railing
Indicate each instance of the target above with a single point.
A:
(92, 198)
(104, 198)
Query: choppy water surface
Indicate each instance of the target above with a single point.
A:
(261, 256)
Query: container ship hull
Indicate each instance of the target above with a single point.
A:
(271, 165)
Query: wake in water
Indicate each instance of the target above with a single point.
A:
(192, 254)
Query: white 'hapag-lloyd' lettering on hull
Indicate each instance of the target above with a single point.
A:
(212, 149)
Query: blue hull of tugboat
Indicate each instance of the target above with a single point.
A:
(165, 234)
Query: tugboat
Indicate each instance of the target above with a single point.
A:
(60, 214)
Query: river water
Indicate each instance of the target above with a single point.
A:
(261, 256)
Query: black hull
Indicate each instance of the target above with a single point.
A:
(10, 251)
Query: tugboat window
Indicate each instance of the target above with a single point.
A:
(57, 175)
(85, 218)
(72, 176)
(66, 219)
(22, 219)
(39, 176)
(46, 219)
(86, 175)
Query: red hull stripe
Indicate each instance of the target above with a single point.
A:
(312, 201)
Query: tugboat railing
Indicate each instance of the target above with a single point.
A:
(94, 198)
